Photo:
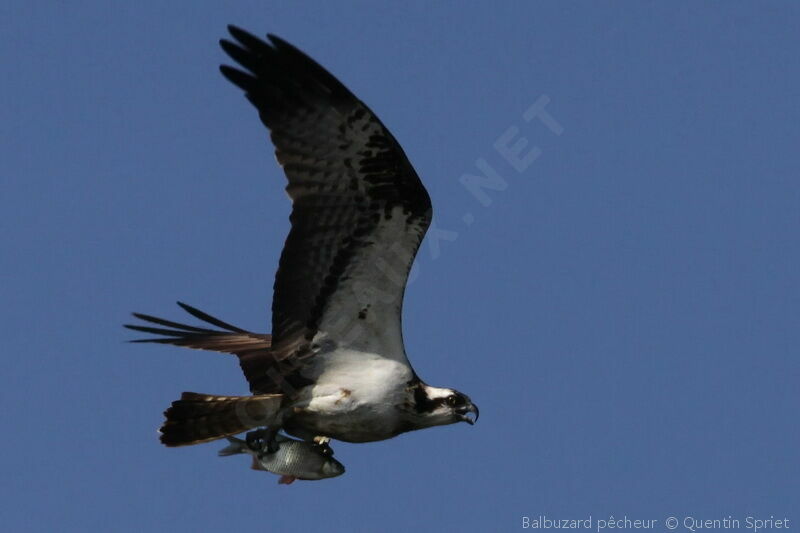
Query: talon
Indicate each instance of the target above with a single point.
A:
(255, 439)
(272, 446)
(262, 441)
(322, 443)
(324, 449)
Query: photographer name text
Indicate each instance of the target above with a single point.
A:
(685, 523)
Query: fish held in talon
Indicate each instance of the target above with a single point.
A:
(293, 459)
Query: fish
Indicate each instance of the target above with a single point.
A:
(294, 459)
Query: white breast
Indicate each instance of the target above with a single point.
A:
(355, 396)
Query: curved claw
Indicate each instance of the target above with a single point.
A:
(255, 439)
(324, 449)
(322, 444)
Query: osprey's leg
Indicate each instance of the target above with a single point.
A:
(263, 440)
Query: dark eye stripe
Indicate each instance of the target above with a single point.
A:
(455, 400)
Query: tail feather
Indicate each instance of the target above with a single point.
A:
(197, 418)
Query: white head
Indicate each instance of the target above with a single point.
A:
(435, 406)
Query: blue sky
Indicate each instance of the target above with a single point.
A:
(624, 307)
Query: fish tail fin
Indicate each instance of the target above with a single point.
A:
(197, 418)
(236, 446)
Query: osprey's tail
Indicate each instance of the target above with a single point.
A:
(197, 418)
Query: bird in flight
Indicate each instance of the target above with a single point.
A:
(335, 366)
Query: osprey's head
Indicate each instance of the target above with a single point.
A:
(434, 406)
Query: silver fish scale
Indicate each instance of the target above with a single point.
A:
(294, 459)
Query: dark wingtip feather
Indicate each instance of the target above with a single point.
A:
(247, 59)
(156, 331)
(230, 48)
(173, 341)
(208, 318)
(242, 80)
(283, 62)
(237, 32)
(249, 41)
(277, 40)
(241, 35)
(313, 68)
(171, 324)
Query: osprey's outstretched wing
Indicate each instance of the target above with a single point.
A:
(359, 210)
(252, 349)
(231, 340)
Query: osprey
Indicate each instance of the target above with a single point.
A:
(334, 366)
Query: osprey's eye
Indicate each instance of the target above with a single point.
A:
(454, 400)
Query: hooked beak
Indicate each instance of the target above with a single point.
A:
(464, 414)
